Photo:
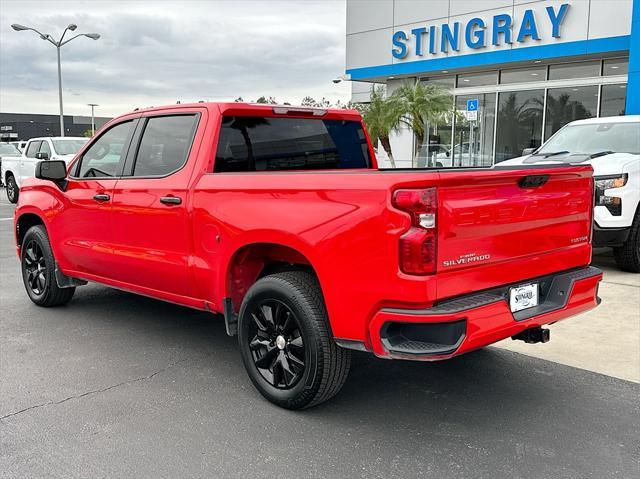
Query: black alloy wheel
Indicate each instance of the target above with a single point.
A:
(35, 268)
(39, 270)
(285, 341)
(276, 344)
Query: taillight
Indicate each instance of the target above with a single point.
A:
(417, 250)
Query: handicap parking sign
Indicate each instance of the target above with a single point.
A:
(472, 105)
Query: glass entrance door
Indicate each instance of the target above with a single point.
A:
(473, 139)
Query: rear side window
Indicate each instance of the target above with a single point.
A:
(165, 145)
(105, 155)
(32, 149)
(252, 143)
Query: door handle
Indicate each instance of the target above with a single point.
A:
(102, 197)
(170, 200)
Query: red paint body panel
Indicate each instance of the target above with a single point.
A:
(340, 222)
(490, 323)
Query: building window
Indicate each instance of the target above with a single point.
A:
(523, 75)
(573, 71)
(519, 123)
(473, 140)
(613, 100)
(615, 66)
(477, 79)
(447, 82)
(568, 104)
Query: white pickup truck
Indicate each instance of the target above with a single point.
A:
(612, 147)
(16, 169)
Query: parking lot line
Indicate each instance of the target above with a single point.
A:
(5, 219)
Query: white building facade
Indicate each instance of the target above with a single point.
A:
(527, 67)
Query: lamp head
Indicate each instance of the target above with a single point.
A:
(93, 36)
(72, 26)
(18, 28)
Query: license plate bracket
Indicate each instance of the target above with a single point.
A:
(523, 297)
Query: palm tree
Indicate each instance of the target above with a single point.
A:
(423, 104)
(382, 116)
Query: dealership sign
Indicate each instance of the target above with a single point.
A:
(477, 33)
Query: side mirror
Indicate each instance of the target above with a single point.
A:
(528, 151)
(52, 170)
(42, 155)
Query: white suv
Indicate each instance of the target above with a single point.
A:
(15, 170)
(612, 147)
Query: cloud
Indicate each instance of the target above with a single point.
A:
(158, 52)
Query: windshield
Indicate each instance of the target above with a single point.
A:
(70, 146)
(593, 138)
(7, 149)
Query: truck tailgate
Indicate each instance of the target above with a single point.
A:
(503, 225)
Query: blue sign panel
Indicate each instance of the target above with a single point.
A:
(472, 105)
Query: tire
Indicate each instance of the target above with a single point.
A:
(628, 255)
(283, 323)
(38, 270)
(12, 189)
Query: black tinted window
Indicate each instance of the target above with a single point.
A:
(249, 143)
(165, 145)
(105, 155)
(32, 149)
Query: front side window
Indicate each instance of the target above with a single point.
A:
(165, 145)
(44, 148)
(105, 155)
(33, 148)
(256, 143)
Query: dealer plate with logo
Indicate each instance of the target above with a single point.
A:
(523, 297)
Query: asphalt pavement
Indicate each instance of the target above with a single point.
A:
(117, 385)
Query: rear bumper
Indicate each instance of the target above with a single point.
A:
(456, 326)
(610, 237)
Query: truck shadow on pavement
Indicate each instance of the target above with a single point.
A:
(173, 373)
(489, 383)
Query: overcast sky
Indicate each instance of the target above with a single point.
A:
(158, 51)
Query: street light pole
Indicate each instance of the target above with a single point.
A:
(58, 44)
(93, 121)
(60, 92)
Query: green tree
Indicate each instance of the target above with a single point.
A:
(423, 105)
(382, 116)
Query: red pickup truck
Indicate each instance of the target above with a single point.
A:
(277, 218)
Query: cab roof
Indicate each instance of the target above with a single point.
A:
(231, 108)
